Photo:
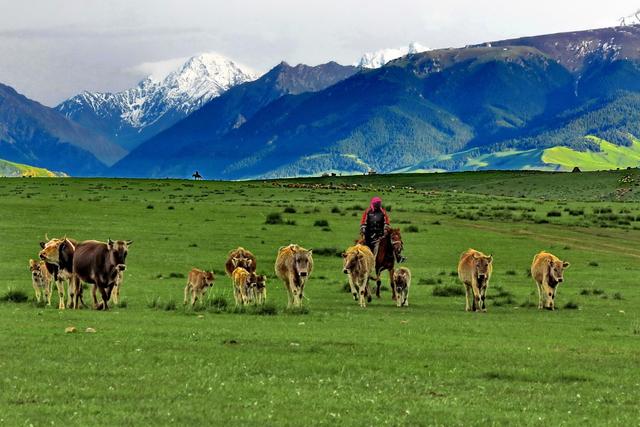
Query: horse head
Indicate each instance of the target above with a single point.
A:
(396, 242)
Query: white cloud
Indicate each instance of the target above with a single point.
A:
(157, 70)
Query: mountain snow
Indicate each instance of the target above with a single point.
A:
(379, 58)
(633, 19)
(182, 91)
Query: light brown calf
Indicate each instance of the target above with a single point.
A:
(474, 271)
(198, 282)
(242, 283)
(402, 282)
(293, 266)
(359, 263)
(41, 280)
(117, 287)
(548, 272)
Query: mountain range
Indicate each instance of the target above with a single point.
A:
(545, 102)
(129, 117)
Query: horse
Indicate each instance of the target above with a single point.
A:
(390, 248)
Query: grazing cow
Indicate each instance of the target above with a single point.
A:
(240, 257)
(548, 272)
(41, 280)
(474, 271)
(359, 263)
(259, 289)
(402, 282)
(98, 263)
(197, 284)
(58, 257)
(294, 265)
(242, 283)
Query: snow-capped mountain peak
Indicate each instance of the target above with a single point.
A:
(380, 57)
(159, 102)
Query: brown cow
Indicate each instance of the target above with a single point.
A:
(240, 257)
(293, 266)
(41, 280)
(402, 282)
(548, 272)
(197, 284)
(58, 257)
(474, 271)
(359, 264)
(98, 263)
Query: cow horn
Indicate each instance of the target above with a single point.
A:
(129, 242)
(109, 241)
(46, 236)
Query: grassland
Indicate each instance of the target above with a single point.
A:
(152, 362)
(11, 169)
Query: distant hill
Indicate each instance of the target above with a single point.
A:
(11, 169)
(31, 133)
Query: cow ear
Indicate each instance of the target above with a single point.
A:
(110, 242)
(42, 245)
(490, 259)
(310, 251)
(129, 242)
(344, 254)
(566, 264)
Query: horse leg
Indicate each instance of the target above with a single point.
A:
(393, 285)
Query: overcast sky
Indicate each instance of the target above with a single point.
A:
(52, 49)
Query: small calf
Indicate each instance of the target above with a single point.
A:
(259, 289)
(197, 284)
(402, 283)
(41, 280)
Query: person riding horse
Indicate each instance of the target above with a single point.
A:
(374, 224)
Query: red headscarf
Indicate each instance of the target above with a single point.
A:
(375, 200)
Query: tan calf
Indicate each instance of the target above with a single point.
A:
(41, 280)
(474, 271)
(402, 283)
(117, 287)
(293, 266)
(197, 284)
(242, 283)
(359, 263)
(548, 272)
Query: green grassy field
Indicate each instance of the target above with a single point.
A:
(152, 362)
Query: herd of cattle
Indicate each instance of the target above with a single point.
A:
(102, 264)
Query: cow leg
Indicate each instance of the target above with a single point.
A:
(186, 292)
(36, 289)
(104, 292)
(368, 289)
(476, 296)
(406, 298)
(466, 297)
(47, 291)
(483, 294)
(392, 284)
(539, 286)
(60, 287)
(362, 291)
(295, 291)
(94, 289)
(115, 294)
